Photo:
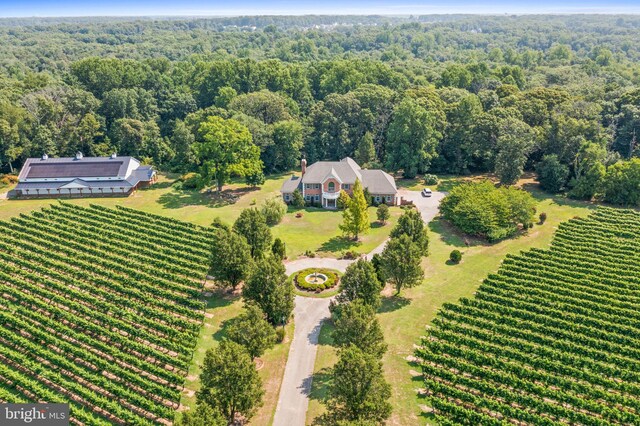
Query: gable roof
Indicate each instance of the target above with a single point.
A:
(346, 170)
(69, 168)
(290, 185)
(378, 182)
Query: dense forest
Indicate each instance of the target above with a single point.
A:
(437, 94)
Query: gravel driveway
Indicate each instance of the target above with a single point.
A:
(309, 314)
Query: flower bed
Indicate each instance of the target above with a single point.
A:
(300, 281)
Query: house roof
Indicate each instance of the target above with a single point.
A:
(290, 185)
(346, 170)
(69, 168)
(378, 182)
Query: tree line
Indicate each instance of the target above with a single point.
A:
(463, 107)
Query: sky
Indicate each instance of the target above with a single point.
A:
(42, 8)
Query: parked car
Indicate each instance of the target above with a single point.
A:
(426, 192)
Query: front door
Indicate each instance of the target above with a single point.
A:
(331, 204)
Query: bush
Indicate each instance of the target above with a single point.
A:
(310, 253)
(431, 179)
(455, 256)
(300, 282)
(279, 249)
(273, 211)
(8, 179)
(542, 217)
(190, 180)
(254, 179)
(280, 333)
(298, 199)
(482, 209)
(350, 254)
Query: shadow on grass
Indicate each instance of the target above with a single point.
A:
(221, 298)
(179, 198)
(559, 199)
(393, 303)
(320, 384)
(451, 236)
(337, 244)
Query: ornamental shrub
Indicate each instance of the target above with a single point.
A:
(300, 282)
(543, 218)
(455, 256)
(274, 210)
(431, 179)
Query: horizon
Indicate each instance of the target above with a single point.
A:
(220, 9)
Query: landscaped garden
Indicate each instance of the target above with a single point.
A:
(316, 280)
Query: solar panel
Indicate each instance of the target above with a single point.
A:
(74, 169)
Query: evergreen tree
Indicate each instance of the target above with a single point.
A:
(365, 152)
(279, 249)
(355, 218)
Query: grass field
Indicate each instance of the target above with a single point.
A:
(220, 309)
(317, 229)
(404, 318)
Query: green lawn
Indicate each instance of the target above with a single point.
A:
(404, 318)
(220, 309)
(317, 229)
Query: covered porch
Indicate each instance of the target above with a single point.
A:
(330, 200)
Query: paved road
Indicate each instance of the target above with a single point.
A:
(296, 385)
(309, 314)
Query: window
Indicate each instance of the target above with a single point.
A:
(332, 187)
(307, 197)
(317, 186)
(345, 186)
(377, 198)
(317, 198)
(286, 197)
(308, 186)
(388, 198)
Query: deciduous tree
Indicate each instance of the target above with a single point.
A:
(251, 330)
(269, 288)
(230, 382)
(400, 263)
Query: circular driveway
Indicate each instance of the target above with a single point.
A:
(310, 313)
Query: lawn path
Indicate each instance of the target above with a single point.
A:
(309, 314)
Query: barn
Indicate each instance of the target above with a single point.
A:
(82, 176)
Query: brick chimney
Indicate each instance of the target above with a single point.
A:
(303, 166)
